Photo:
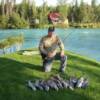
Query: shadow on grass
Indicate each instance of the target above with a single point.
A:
(93, 73)
(84, 60)
(14, 71)
(13, 76)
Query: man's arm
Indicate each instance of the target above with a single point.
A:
(41, 47)
(61, 46)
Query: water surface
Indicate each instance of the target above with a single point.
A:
(81, 41)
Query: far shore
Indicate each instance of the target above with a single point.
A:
(60, 25)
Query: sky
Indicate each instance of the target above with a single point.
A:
(39, 2)
(54, 2)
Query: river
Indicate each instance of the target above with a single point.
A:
(81, 41)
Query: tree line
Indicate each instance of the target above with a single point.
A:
(27, 14)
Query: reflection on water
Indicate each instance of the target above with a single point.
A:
(82, 41)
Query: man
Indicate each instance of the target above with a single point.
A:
(48, 48)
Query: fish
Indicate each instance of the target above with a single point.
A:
(31, 85)
(44, 85)
(37, 85)
(52, 84)
(80, 82)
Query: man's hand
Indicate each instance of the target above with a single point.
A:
(52, 54)
(62, 53)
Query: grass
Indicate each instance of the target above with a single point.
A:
(15, 69)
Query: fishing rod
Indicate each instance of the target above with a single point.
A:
(66, 36)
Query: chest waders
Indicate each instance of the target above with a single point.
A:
(47, 62)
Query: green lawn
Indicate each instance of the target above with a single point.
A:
(16, 69)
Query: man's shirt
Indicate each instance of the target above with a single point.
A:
(50, 44)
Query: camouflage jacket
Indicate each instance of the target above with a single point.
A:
(50, 44)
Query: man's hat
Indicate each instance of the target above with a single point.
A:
(51, 29)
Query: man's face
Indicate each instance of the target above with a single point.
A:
(50, 34)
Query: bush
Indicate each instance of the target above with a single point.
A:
(11, 41)
(15, 21)
(3, 22)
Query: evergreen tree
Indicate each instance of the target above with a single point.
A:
(62, 8)
(2, 7)
(94, 9)
(83, 13)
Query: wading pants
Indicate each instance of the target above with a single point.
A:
(47, 62)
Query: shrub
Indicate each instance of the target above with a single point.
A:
(3, 22)
(15, 21)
